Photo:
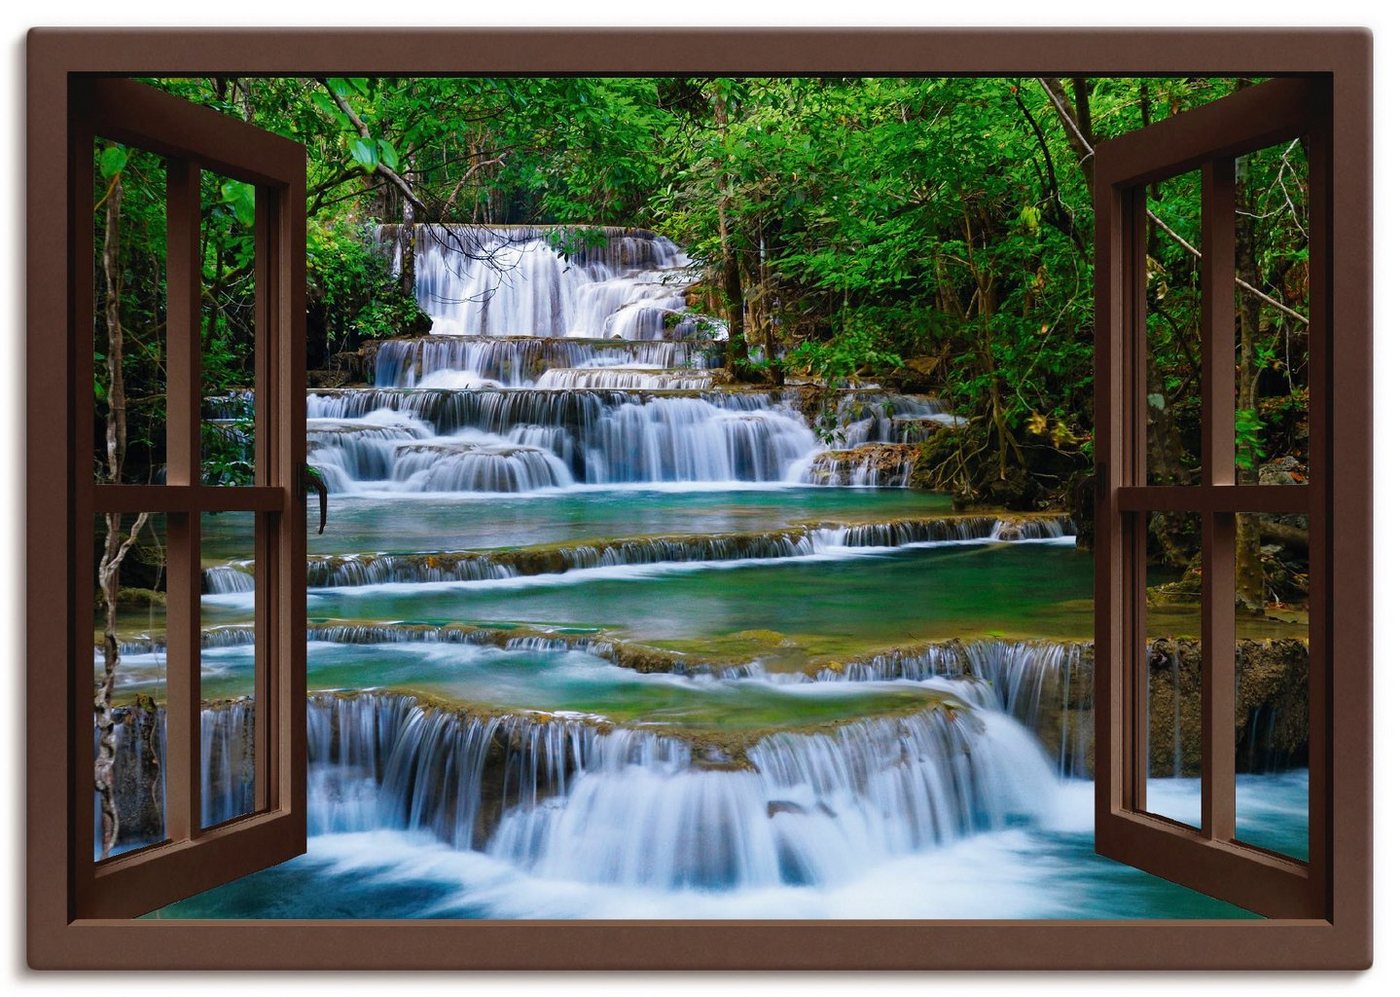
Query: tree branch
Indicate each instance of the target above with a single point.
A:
(1061, 213)
(380, 167)
(480, 164)
(1086, 148)
(1240, 282)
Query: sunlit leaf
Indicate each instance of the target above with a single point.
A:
(387, 155)
(112, 161)
(364, 152)
(242, 199)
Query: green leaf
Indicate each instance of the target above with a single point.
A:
(326, 104)
(343, 87)
(387, 155)
(112, 161)
(243, 200)
(364, 152)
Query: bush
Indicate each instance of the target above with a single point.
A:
(352, 295)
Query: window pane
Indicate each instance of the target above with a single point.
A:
(227, 309)
(227, 689)
(1173, 377)
(128, 314)
(1271, 714)
(1271, 337)
(129, 678)
(1173, 661)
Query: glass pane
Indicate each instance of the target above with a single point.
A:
(1271, 714)
(228, 302)
(1173, 629)
(129, 682)
(227, 751)
(1173, 288)
(128, 314)
(1271, 336)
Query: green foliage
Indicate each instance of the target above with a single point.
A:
(133, 182)
(226, 452)
(365, 152)
(935, 233)
(111, 161)
(1250, 448)
(857, 347)
(351, 293)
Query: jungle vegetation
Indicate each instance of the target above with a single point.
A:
(930, 235)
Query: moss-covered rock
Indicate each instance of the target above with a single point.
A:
(139, 598)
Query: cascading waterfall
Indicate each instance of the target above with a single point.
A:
(477, 464)
(574, 343)
(871, 465)
(226, 579)
(869, 417)
(226, 769)
(588, 800)
(598, 436)
(405, 764)
(601, 436)
(572, 798)
(559, 752)
(813, 809)
(597, 283)
(226, 761)
(449, 361)
(1045, 685)
(626, 378)
(361, 449)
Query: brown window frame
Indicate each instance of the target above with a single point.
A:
(1338, 937)
(1206, 139)
(193, 140)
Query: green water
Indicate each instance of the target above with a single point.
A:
(843, 605)
(411, 524)
(840, 605)
(555, 682)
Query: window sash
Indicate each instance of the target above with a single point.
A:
(1208, 859)
(194, 858)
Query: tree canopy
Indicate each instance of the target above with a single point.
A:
(933, 234)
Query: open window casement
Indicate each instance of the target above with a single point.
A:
(1207, 147)
(179, 841)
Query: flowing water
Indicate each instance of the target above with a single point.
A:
(595, 633)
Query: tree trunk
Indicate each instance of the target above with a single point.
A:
(1080, 137)
(732, 287)
(107, 572)
(408, 274)
(1249, 571)
(759, 300)
(984, 280)
(115, 546)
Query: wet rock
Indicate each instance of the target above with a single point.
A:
(138, 774)
(1271, 707)
(1283, 471)
(871, 465)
